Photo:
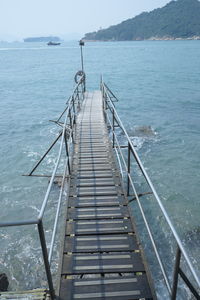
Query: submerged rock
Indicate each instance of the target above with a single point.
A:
(3, 282)
(144, 131)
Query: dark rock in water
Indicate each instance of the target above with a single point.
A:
(146, 131)
(3, 282)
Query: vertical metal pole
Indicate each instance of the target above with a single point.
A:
(71, 124)
(83, 89)
(70, 118)
(77, 94)
(70, 121)
(176, 271)
(129, 168)
(67, 153)
(113, 127)
(81, 43)
(45, 258)
(104, 103)
(74, 111)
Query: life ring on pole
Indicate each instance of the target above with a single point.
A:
(79, 77)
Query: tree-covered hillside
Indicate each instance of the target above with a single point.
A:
(178, 19)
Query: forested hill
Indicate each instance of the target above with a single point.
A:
(178, 19)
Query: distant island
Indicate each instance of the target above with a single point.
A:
(42, 39)
(178, 19)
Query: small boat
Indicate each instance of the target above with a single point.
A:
(53, 43)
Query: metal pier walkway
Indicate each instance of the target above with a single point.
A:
(98, 167)
(100, 239)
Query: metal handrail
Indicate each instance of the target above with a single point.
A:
(141, 209)
(109, 107)
(70, 116)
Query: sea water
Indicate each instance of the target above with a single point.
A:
(157, 83)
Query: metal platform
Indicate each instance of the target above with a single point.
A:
(37, 294)
(101, 257)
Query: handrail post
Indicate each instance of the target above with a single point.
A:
(67, 153)
(113, 128)
(83, 86)
(104, 102)
(74, 110)
(45, 258)
(103, 96)
(71, 124)
(176, 271)
(77, 94)
(129, 168)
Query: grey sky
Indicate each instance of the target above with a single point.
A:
(22, 18)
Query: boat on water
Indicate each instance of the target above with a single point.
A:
(53, 43)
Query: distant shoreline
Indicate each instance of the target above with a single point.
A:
(154, 38)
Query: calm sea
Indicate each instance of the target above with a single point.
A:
(158, 85)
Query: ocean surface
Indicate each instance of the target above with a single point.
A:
(158, 86)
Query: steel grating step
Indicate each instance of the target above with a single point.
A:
(90, 156)
(92, 137)
(99, 144)
(100, 243)
(97, 213)
(93, 145)
(37, 294)
(86, 227)
(93, 167)
(95, 190)
(92, 140)
(92, 173)
(94, 182)
(96, 201)
(93, 150)
(83, 161)
(94, 134)
(103, 165)
(102, 263)
(115, 288)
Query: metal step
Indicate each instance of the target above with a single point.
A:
(96, 201)
(83, 161)
(99, 227)
(102, 263)
(94, 182)
(100, 243)
(92, 173)
(97, 213)
(93, 152)
(91, 156)
(95, 190)
(93, 167)
(37, 294)
(115, 288)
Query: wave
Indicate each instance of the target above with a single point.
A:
(140, 135)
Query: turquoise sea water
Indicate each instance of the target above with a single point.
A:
(158, 86)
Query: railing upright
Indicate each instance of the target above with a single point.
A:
(67, 153)
(113, 128)
(129, 169)
(45, 258)
(176, 271)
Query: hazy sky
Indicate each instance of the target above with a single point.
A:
(22, 18)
